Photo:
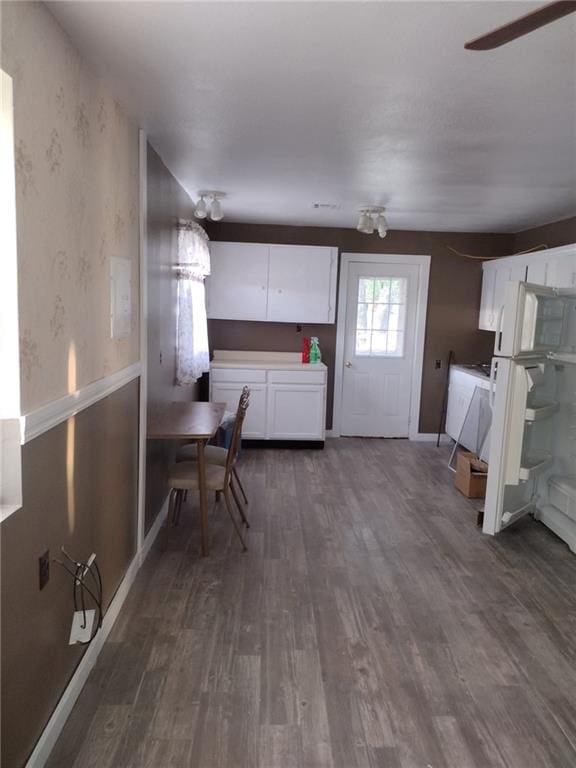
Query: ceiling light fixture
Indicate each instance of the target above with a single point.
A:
(201, 210)
(372, 219)
(365, 223)
(216, 213)
(212, 210)
(382, 225)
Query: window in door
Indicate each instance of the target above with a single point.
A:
(381, 317)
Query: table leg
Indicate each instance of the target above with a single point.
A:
(203, 497)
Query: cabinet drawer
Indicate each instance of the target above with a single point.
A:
(238, 375)
(297, 377)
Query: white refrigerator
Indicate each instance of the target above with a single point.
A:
(533, 398)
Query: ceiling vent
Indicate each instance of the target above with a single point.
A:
(326, 206)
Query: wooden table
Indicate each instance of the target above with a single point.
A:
(196, 422)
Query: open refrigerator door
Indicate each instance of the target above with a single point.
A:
(517, 454)
(556, 505)
(533, 446)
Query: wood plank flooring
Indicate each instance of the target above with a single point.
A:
(370, 625)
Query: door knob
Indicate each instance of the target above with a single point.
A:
(348, 364)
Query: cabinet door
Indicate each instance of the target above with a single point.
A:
(459, 398)
(254, 426)
(504, 275)
(538, 272)
(302, 284)
(237, 286)
(561, 271)
(487, 313)
(296, 412)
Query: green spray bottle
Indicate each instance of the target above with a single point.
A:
(315, 354)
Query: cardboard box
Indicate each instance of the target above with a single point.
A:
(471, 475)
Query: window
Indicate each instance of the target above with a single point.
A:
(381, 318)
(10, 466)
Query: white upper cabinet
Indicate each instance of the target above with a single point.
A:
(496, 276)
(237, 287)
(505, 273)
(561, 270)
(555, 268)
(278, 283)
(301, 284)
(487, 312)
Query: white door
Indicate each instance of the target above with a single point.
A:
(379, 349)
(237, 288)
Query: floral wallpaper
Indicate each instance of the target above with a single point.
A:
(77, 206)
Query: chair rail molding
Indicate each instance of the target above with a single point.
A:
(48, 416)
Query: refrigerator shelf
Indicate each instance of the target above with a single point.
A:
(532, 465)
(540, 412)
(562, 357)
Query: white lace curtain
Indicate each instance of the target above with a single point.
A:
(192, 358)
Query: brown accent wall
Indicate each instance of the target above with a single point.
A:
(80, 491)
(167, 202)
(553, 235)
(453, 304)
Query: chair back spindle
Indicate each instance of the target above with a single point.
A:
(243, 404)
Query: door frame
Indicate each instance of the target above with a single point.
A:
(143, 329)
(423, 264)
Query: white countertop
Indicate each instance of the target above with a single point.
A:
(280, 361)
(471, 371)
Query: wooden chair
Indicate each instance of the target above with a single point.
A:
(215, 455)
(184, 477)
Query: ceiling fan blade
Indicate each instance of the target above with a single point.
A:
(522, 26)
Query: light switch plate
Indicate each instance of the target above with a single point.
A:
(120, 297)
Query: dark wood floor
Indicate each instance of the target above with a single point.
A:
(371, 624)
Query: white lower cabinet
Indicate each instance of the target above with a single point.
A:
(296, 412)
(254, 427)
(461, 390)
(284, 404)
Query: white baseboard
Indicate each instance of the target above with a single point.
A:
(431, 437)
(57, 722)
(422, 437)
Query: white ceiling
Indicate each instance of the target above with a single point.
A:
(286, 104)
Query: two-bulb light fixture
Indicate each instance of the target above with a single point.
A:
(209, 205)
(372, 219)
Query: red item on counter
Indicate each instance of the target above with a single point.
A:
(306, 349)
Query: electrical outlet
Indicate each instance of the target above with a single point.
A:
(437, 364)
(44, 569)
